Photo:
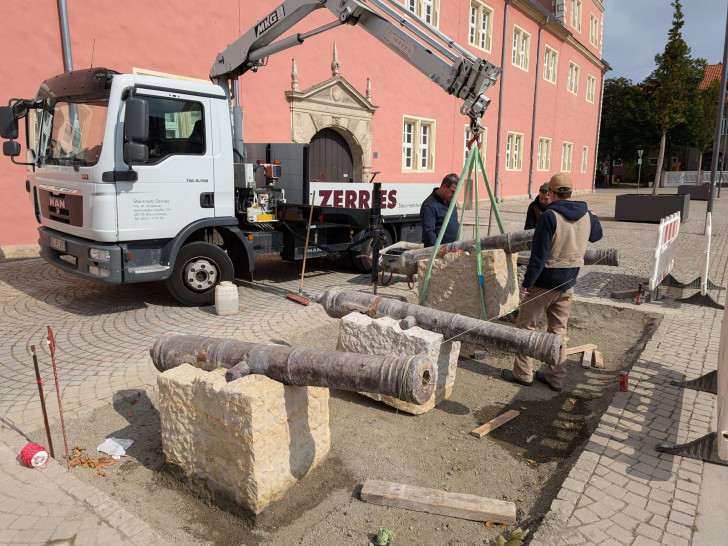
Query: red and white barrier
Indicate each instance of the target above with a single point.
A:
(666, 248)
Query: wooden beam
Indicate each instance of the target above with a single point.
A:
(435, 501)
(598, 360)
(580, 349)
(495, 423)
(586, 362)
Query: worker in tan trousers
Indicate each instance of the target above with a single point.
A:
(559, 242)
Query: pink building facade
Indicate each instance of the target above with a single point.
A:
(543, 118)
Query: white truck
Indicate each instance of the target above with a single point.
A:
(137, 178)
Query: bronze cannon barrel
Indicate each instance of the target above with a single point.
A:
(549, 348)
(513, 242)
(409, 378)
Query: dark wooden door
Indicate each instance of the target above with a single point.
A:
(330, 157)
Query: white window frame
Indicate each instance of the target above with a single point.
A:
(567, 150)
(544, 154)
(653, 161)
(550, 64)
(480, 25)
(674, 159)
(594, 31)
(591, 86)
(415, 150)
(467, 135)
(427, 10)
(514, 151)
(584, 158)
(520, 50)
(576, 14)
(616, 163)
(573, 81)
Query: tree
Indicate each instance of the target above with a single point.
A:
(676, 74)
(703, 112)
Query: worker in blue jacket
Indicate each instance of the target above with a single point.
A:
(559, 242)
(434, 209)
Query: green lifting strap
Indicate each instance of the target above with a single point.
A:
(473, 160)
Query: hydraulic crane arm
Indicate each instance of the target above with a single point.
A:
(443, 61)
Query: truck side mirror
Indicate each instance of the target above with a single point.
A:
(8, 124)
(136, 127)
(11, 148)
(135, 152)
(136, 119)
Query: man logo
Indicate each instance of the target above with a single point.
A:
(269, 21)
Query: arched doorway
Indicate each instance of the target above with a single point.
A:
(330, 157)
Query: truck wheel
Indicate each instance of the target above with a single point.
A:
(198, 268)
(359, 259)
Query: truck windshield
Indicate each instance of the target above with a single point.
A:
(71, 133)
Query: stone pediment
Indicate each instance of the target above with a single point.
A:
(335, 92)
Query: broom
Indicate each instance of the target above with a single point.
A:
(299, 298)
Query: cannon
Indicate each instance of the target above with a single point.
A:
(549, 348)
(409, 378)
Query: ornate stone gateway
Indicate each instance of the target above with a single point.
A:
(334, 104)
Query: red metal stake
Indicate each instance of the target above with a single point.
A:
(39, 381)
(52, 347)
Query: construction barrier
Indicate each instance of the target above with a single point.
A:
(666, 248)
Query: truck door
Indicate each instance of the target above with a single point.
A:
(176, 185)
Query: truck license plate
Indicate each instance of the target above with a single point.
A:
(265, 218)
(57, 244)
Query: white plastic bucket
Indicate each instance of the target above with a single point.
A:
(226, 298)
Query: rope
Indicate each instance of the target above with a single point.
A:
(403, 382)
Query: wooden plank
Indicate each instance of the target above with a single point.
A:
(435, 501)
(586, 362)
(598, 359)
(580, 349)
(495, 423)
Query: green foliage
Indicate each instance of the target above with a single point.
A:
(516, 538)
(703, 113)
(385, 536)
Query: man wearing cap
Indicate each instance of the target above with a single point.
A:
(559, 242)
(537, 206)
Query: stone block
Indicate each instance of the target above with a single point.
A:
(248, 440)
(454, 285)
(362, 334)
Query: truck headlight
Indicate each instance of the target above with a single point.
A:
(99, 255)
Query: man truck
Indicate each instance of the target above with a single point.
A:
(137, 178)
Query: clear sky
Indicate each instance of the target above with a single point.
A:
(636, 30)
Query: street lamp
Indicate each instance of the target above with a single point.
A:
(639, 168)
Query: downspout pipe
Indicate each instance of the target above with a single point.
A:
(496, 190)
(599, 128)
(65, 36)
(719, 117)
(535, 105)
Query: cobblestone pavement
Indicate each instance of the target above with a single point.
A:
(621, 491)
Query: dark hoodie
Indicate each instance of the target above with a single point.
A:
(560, 278)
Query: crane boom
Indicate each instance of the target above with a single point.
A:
(442, 60)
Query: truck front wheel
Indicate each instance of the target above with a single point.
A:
(198, 268)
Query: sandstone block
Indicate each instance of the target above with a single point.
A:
(454, 285)
(362, 334)
(249, 440)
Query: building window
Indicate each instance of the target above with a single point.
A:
(418, 144)
(566, 150)
(521, 44)
(584, 158)
(514, 151)
(594, 31)
(674, 159)
(481, 25)
(544, 154)
(576, 14)
(427, 10)
(573, 84)
(617, 163)
(653, 161)
(591, 84)
(550, 64)
(483, 141)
